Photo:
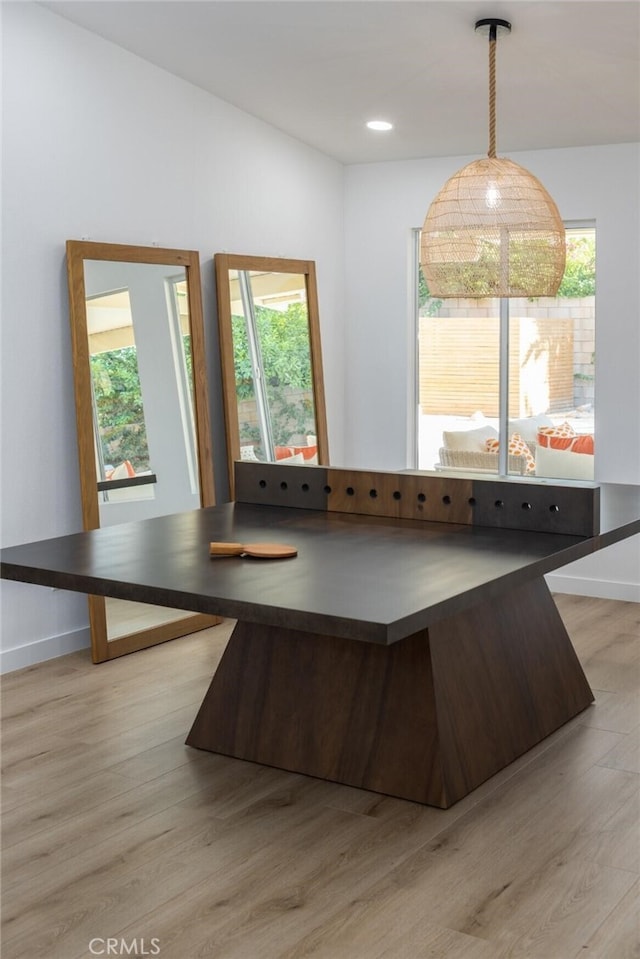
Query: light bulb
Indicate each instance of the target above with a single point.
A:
(492, 196)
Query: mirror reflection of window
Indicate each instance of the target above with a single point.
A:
(273, 386)
(139, 331)
(180, 333)
(122, 450)
(272, 360)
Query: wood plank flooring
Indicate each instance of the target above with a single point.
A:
(114, 830)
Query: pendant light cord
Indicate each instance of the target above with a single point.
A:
(492, 93)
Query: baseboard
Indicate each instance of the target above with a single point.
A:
(43, 649)
(602, 589)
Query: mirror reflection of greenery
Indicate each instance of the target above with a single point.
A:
(286, 361)
(119, 405)
(119, 408)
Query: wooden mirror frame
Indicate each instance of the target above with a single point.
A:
(232, 261)
(78, 251)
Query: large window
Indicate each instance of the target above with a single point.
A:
(507, 386)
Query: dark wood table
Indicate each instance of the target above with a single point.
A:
(413, 654)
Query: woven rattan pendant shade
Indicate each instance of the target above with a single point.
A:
(493, 230)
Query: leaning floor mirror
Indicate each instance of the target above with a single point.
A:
(144, 442)
(271, 360)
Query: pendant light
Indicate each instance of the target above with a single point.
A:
(493, 230)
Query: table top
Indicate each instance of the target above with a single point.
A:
(371, 578)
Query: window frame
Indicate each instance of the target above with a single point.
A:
(504, 356)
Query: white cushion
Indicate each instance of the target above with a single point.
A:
(291, 460)
(563, 464)
(469, 440)
(528, 426)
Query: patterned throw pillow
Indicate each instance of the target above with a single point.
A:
(284, 452)
(517, 447)
(584, 444)
(307, 452)
(565, 438)
(556, 437)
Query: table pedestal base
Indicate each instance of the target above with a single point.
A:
(427, 719)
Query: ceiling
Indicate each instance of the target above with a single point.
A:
(568, 74)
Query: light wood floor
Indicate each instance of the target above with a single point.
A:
(114, 829)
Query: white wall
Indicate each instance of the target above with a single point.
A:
(384, 202)
(99, 144)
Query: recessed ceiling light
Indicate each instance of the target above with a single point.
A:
(382, 125)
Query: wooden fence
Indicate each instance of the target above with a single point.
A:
(459, 359)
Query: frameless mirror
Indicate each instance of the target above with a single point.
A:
(141, 409)
(271, 360)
